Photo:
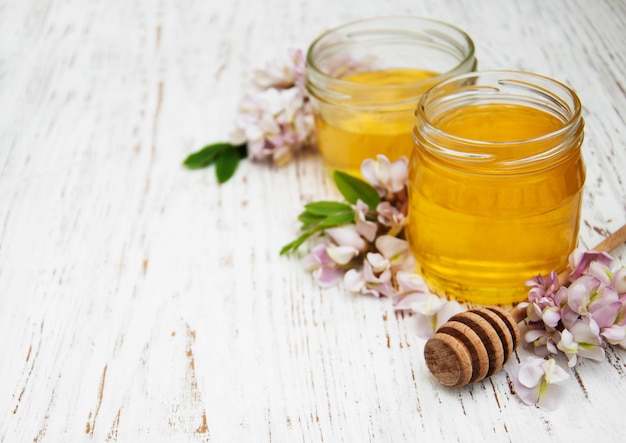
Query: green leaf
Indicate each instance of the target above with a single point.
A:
(307, 218)
(226, 164)
(331, 221)
(339, 218)
(298, 241)
(353, 188)
(205, 156)
(326, 207)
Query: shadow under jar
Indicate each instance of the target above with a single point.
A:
(366, 77)
(495, 183)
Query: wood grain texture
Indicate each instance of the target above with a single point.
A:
(143, 302)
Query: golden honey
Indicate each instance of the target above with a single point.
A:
(495, 184)
(366, 77)
(347, 138)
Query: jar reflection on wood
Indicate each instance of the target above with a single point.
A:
(495, 183)
(366, 78)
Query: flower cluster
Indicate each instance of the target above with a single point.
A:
(276, 119)
(371, 238)
(581, 318)
(367, 251)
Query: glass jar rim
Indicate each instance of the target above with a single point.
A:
(469, 49)
(522, 78)
(508, 156)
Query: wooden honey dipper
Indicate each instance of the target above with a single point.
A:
(475, 344)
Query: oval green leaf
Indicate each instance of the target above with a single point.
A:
(327, 207)
(353, 189)
(205, 156)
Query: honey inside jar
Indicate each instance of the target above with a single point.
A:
(366, 77)
(497, 202)
(348, 136)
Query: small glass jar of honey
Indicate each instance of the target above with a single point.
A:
(366, 77)
(495, 183)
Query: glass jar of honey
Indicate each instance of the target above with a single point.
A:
(366, 77)
(495, 183)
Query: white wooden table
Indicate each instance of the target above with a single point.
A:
(140, 301)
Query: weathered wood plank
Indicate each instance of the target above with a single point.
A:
(143, 302)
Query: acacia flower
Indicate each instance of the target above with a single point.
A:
(543, 289)
(588, 296)
(430, 310)
(581, 318)
(282, 75)
(325, 270)
(385, 176)
(540, 382)
(376, 275)
(619, 281)
(580, 259)
(366, 228)
(374, 279)
(396, 251)
(347, 235)
(368, 247)
(582, 339)
(542, 341)
(392, 217)
(276, 120)
(545, 299)
(615, 334)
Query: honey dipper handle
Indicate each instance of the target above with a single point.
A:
(606, 245)
(612, 241)
(518, 313)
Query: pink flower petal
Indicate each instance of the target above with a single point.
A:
(581, 259)
(427, 304)
(354, 281)
(601, 272)
(592, 352)
(424, 326)
(409, 281)
(606, 315)
(366, 229)
(368, 171)
(327, 277)
(397, 252)
(578, 294)
(619, 280)
(347, 236)
(398, 174)
(552, 399)
(615, 334)
(586, 331)
(404, 302)
(530, 372)
(533, 335)
(341, 254)
(317, 258)
(552, 316)
(377, 262)
(567, 343)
